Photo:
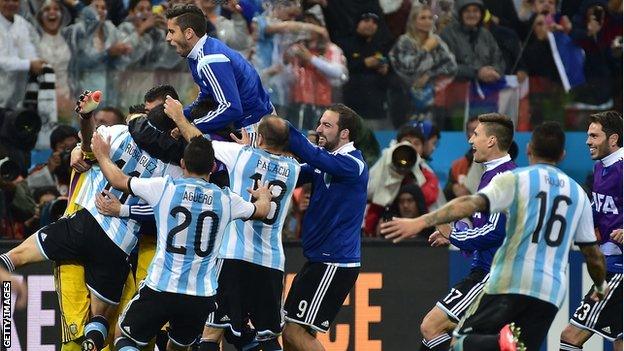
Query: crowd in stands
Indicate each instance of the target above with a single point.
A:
(416, 66)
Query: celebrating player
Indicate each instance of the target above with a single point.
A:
(101, 243)
(604, 138)
(331, 227)
(491, 141)
(252, 272)
(191, 216)
(547, 210)
(222, 74)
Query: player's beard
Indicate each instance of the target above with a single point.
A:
(602, 150)
(329, 145)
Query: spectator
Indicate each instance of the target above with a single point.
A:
(96, 52)
(419, 57)
(18, 54)
(135, 31)
(342, 17)
(596, 28)
(316, 66)
(52, 18)
(274, 31)
(474, 47)
(505, 12)
(57, 170)
(409, 203)
(233, 31)
(509, 44)
(459, 168)
(367, 62)
(555, 21)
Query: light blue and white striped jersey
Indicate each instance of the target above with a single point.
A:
(133, 162)
(258, 241)
(547, 211)
(191, 217)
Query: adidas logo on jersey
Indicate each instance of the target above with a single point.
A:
(127, 328)
(325, 324)
(606, 329)
(225, 318)
(43, 236)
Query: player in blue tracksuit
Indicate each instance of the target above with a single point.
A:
(491, 141)
(331, 227)
(222, 74)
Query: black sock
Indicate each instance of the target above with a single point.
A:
(270, 345)
(123, 343)
(6, 263)
(481, 342)
(206, 345)
(97, 330)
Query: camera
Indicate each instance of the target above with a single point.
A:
(20, 128)
(9, 170)
(404, 156)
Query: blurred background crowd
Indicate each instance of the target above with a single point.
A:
(415, 67)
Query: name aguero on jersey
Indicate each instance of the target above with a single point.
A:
(145, 161)
(273, 168)
(197, 197)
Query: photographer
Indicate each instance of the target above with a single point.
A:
(399, 165)
(18, 215)
(57, 170)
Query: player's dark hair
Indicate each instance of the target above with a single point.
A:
(159, 119)
(119, 116)
(500, 126)
(409, 130)
(611, 122)
(347, 119)
(188, 16)
(61, 132)
(160, 92)
(548, 141)
(199, 156)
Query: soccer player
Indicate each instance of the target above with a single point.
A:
(69, 276)
(192, 215)
(331, 226)
(546, 211)
(252, 272)
(101, 243)
(604, 138)
(490, 144)
(221, 73)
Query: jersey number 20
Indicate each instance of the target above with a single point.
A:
(188, 216)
